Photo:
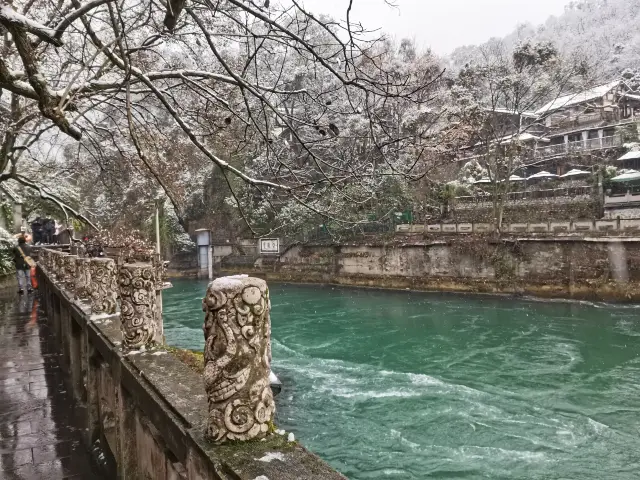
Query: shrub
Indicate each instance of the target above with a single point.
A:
(7, 243)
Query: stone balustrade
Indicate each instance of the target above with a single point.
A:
(147, 409)
(237, 331)
(98, 284)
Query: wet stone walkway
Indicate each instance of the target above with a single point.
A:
(40, 434)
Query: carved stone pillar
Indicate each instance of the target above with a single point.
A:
(42, 259)
(103, 287)
(59, 268)
(70, 272)
(137, 304)
(55, 255)
(49, 263)
(83, 279)
(237, 332)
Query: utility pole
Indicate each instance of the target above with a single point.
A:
(159, 259)
(157, 222)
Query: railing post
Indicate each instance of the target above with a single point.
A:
(103, 286)
(51, 263)
(69, 273)
(83, 279)
(43, 260)
(59, 268)
(158, 266)
(137, 288)
(237, 355)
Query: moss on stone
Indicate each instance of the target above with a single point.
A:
(191, 358)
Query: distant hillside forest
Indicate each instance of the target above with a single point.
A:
(604, 32)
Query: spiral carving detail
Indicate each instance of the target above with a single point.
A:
(237, 328)
(138, 309)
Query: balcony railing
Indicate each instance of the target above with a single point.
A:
(549, 151)
(582, 190)
(582, 119)
(631, 195)
(578, 146)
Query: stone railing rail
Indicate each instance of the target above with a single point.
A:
(618, 226)
(562, 192)
(549, 151)
(146, 412)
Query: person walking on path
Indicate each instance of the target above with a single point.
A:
(23, 233)
(23, 269)
(49, 230)
(58, 231)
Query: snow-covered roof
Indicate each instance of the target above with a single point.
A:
(511, 112)
(577, 98)
(523, 137)
(632, 96)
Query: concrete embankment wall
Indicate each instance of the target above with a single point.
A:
(597, 268)
(145, 412)
(8, 282)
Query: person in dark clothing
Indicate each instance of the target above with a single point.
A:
(23, 270)
(49, 229)
(37, 228)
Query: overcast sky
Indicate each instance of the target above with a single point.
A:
(443, 24)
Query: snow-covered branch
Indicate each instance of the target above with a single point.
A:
(12, 19)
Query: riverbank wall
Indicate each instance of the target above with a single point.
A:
(8, 282)
(599, 268)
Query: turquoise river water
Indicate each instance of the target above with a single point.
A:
(402, 385)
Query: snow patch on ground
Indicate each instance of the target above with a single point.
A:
(102, 316)
(270, 456)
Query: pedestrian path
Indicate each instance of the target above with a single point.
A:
(40, 432)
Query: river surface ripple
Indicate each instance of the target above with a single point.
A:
(403, 385)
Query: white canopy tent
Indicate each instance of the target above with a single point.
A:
(541, 175)
(516, 178)
(483, 180)
(575, 173)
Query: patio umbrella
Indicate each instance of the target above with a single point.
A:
(632, 155)
(575, 173)
(483, 180)
(627, 177)
(542, 174)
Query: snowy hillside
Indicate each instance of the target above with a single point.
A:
(604, 32)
